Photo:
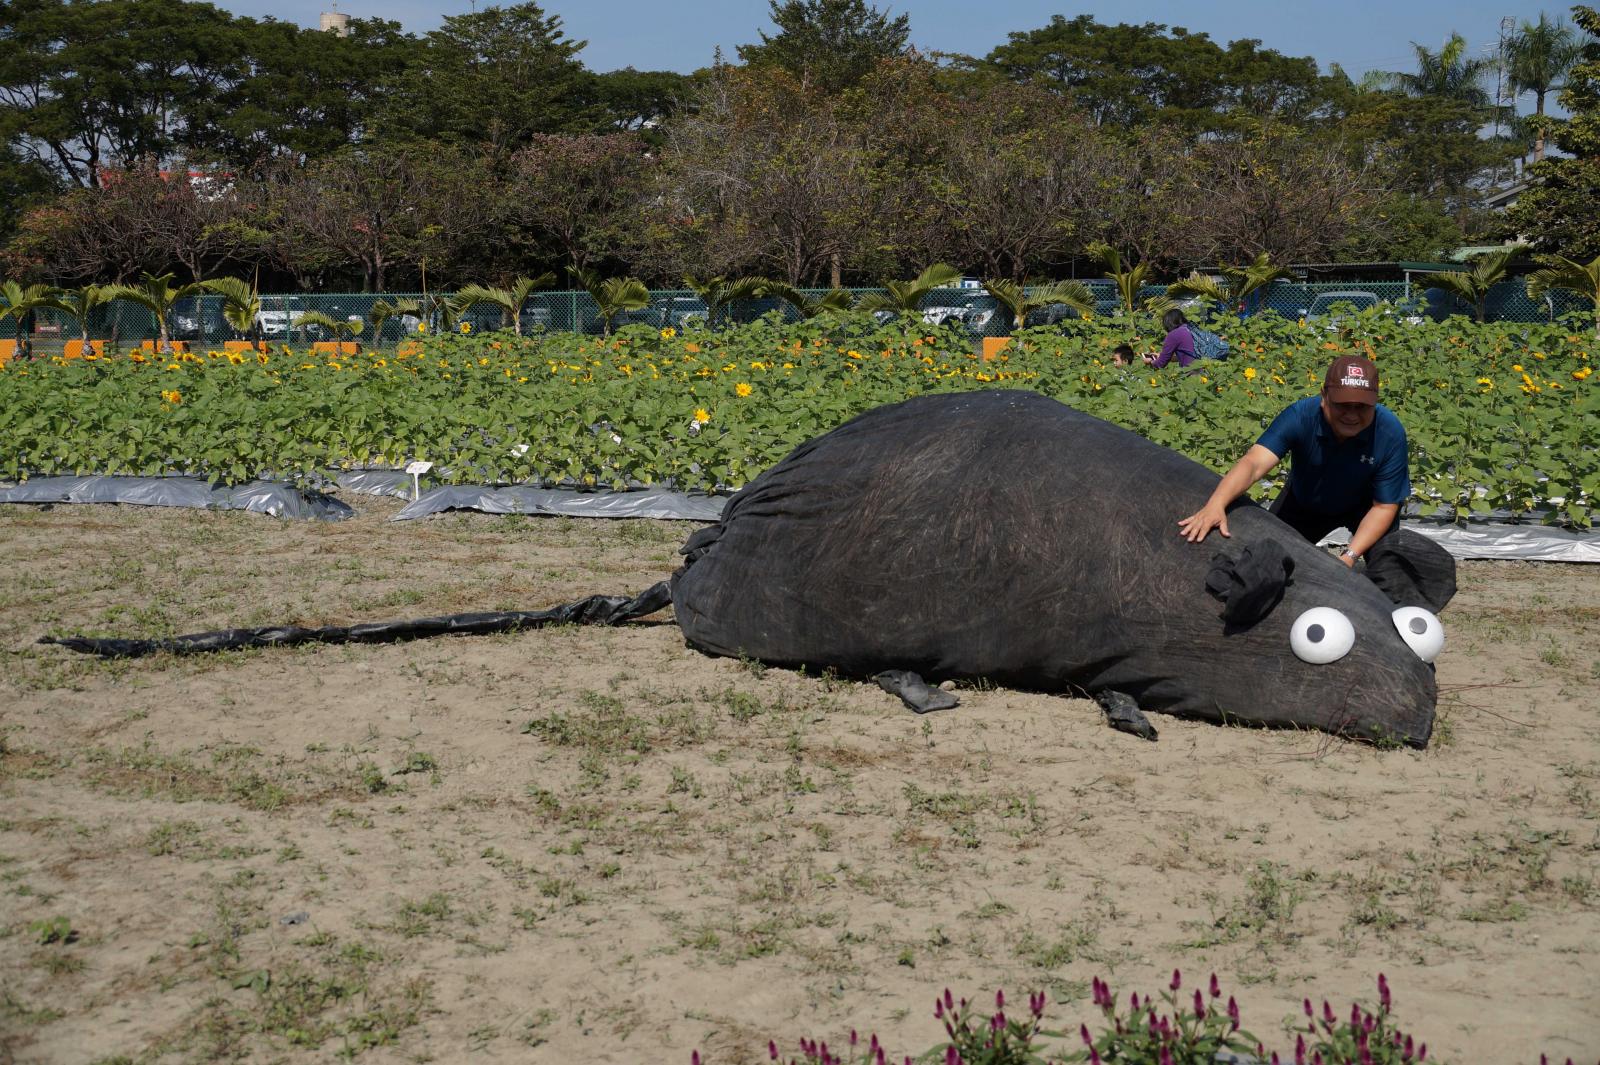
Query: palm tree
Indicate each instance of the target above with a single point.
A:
(382, 310)
(1538, 57)
(613, 295)
(509, 300)
(443, 309)
(241, 304)
(20, 303)
(156, 295)
(337, 326)
(718, 292)
(904, 298)
(81, 302)
(1019, 301)
(834, 300)
(1574, 276)
(1239, 282)
(1449, 73)
(1128, 281)
(1473, 284)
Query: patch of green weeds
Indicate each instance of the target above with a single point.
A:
(49, 930)
(604, 728)
(418, 762)
(232, 776)
(743, 707)
(307, 1002)
(373, 780)
(57, 963)
(1369, 903)
(424, 916)
(1495, 911)
(1077, 940)
(1265, 911)
(18, 1011)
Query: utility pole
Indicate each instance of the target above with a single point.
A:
(1502, 84)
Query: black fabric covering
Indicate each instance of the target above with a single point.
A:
(1004, 535)
(595, 610)
(1412, 570)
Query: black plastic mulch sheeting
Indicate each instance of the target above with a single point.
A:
(595, 610)
(1004, 535)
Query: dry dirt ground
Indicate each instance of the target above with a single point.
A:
(597, 845)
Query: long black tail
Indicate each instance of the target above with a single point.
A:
(595, 610)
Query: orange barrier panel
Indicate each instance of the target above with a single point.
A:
(992, 346)
(177, 345)
(336, 347)
(409, 347)
(244, 345)
(74, 348)
(8, 351)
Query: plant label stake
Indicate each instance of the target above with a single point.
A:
(416, 470)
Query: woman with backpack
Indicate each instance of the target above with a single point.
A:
(1179, 342)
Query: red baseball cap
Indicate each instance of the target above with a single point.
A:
(1351, 379)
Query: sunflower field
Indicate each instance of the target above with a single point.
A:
(1501, 417)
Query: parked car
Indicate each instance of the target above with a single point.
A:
(978, 312)
(1323, 304)
(1321, 310)
(679, 311)
(535, 319)
(1055, 314)
(663, 312)
(280, 316)
(198, 318)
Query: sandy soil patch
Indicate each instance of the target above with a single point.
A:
(599, 845)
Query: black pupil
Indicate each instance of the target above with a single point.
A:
(1314, 634)
(1418, 626)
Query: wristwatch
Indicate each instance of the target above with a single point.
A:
(1346, 553)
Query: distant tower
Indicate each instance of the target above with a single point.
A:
(335, 20)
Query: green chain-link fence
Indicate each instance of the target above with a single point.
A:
(199, 319)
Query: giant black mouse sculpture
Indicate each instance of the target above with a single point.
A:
(1004, 535)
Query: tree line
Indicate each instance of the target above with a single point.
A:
(145, 136)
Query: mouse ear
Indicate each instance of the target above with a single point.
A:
(1412, 570)
(1250, 583)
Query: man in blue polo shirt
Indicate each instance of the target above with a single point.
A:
(1348, 468)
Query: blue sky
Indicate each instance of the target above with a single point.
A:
(1360, 35)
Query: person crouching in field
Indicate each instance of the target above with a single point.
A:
(1179, 342)
(1349, 465)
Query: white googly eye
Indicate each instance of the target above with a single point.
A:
(1322, 635)
(1421, 631)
